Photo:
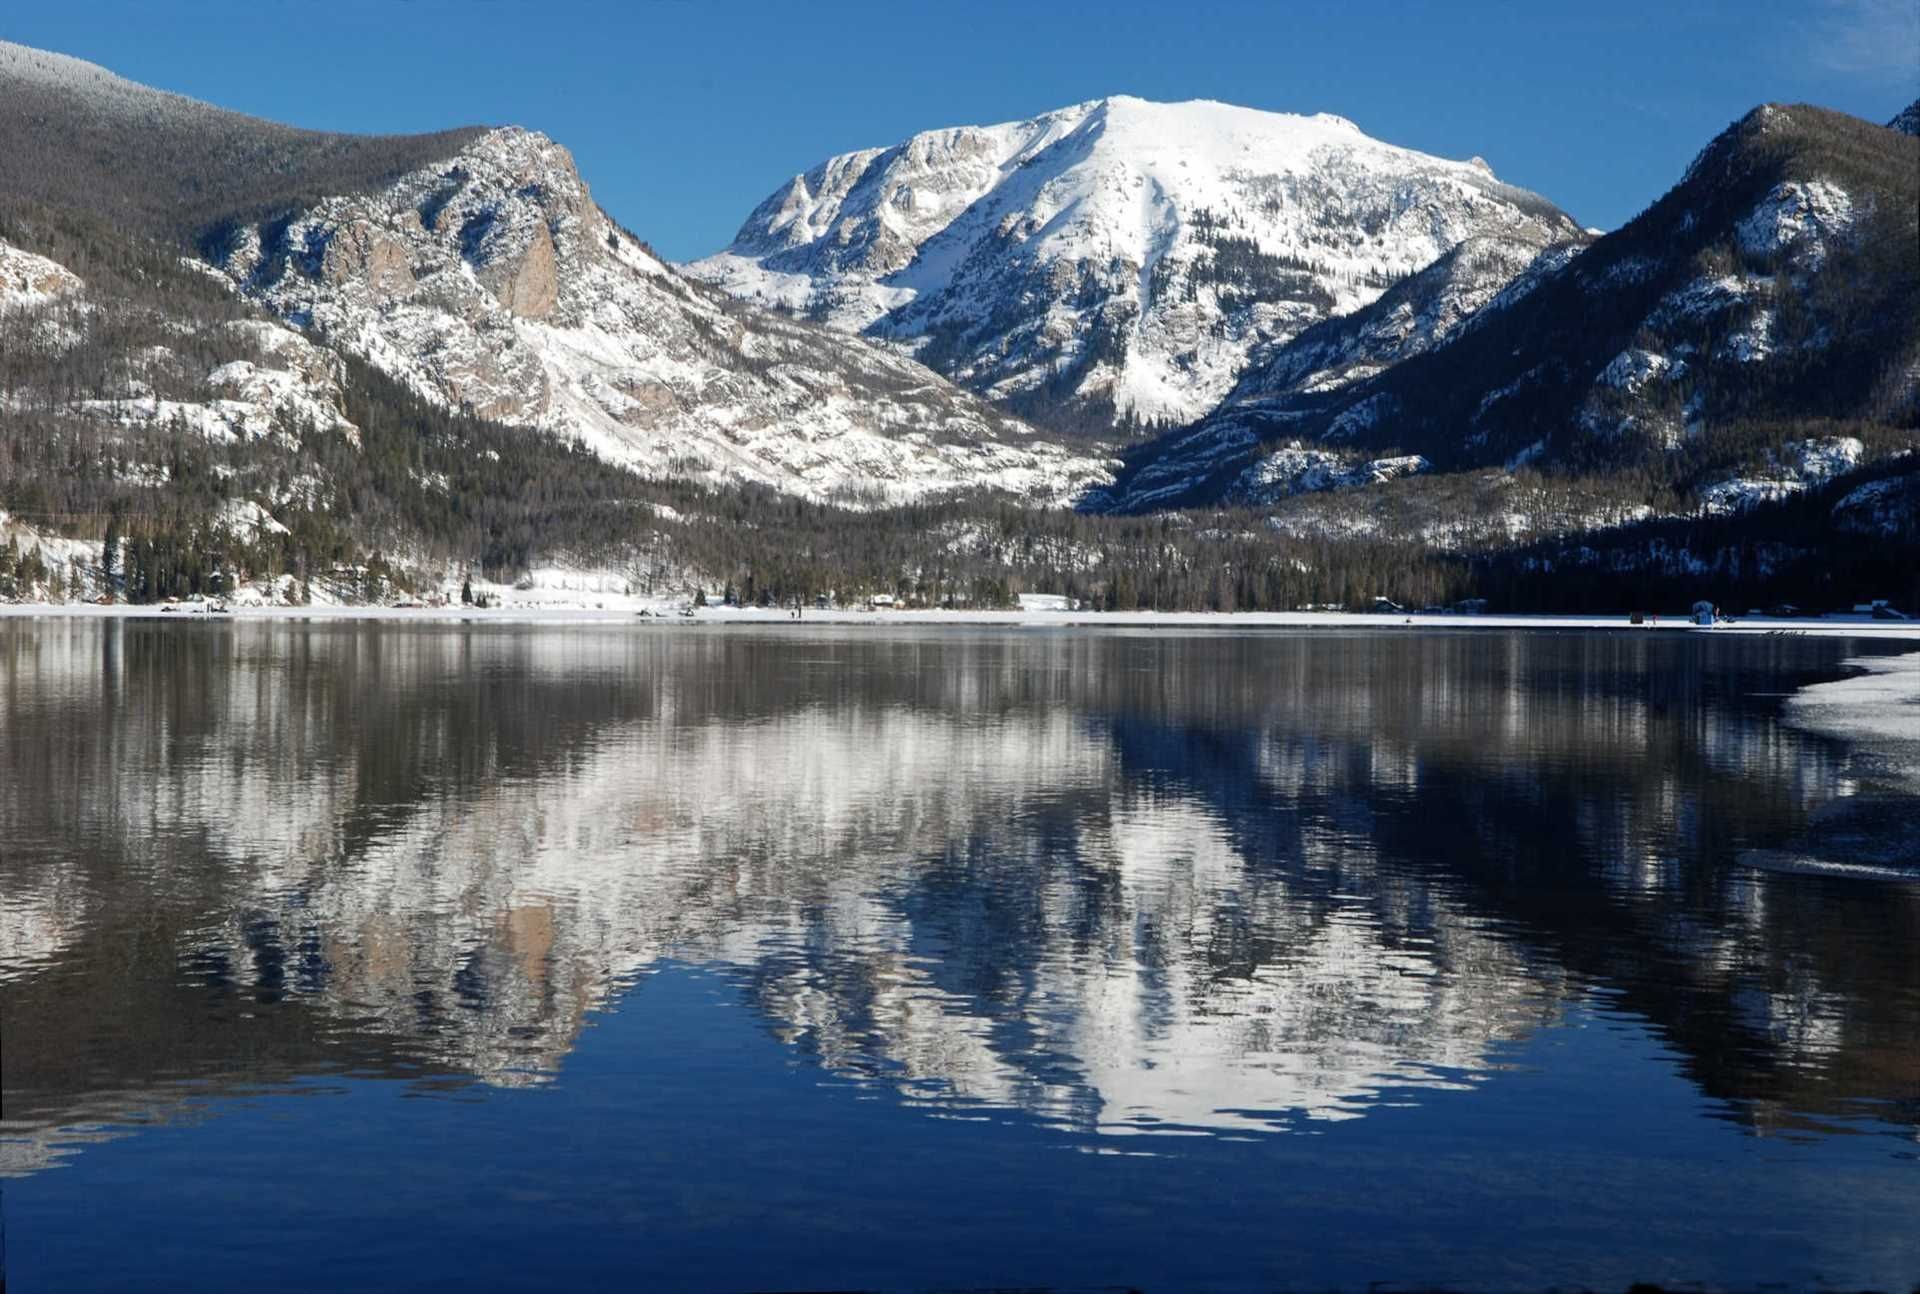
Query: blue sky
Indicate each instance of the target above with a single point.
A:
(684, 115)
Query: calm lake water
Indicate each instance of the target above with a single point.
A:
(358, 955)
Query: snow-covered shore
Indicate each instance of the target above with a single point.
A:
(616, 609)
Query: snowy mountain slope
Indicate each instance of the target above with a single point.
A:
(1797, 467)
(491, 282)
(232, 381)
(1284, 386)
(1117, 255)
(1412, 317)
(1774, 282)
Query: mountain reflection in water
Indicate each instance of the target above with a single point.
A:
(1113, 882)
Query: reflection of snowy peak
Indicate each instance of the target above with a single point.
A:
(491, 282)
(1116, 250)
(1026, 881)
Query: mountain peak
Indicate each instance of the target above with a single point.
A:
(1115, 258)
(1908, 120)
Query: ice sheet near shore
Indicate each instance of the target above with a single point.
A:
(1878, 710)
(1873, 832)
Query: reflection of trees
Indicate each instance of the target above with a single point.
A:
(1114, 880)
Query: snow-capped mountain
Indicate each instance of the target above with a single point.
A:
(1119, 255)
(1774, 282)
(475, 267)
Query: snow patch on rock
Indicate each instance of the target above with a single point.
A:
(1797, 466)
(28, 280)
(1702, 298)
(1300, 469)
(1797, 220)
(1632, 370)
(1752, 341)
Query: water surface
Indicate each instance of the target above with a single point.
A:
(382, 954)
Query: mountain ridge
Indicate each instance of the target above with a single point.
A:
(492, 282)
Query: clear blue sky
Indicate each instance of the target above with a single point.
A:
(684, 115)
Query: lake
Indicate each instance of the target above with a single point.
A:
(356, 955)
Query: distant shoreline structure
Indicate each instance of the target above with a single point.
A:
(673, 614)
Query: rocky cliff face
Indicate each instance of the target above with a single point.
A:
(1119, 255)
(491, 282)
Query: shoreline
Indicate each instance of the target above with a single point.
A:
(664, 614)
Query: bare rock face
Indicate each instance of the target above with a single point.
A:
(358, 251)
(530, 285)
(492, 283)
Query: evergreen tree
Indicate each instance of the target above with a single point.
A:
(110, 553)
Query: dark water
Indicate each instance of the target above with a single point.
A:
(345, 956)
